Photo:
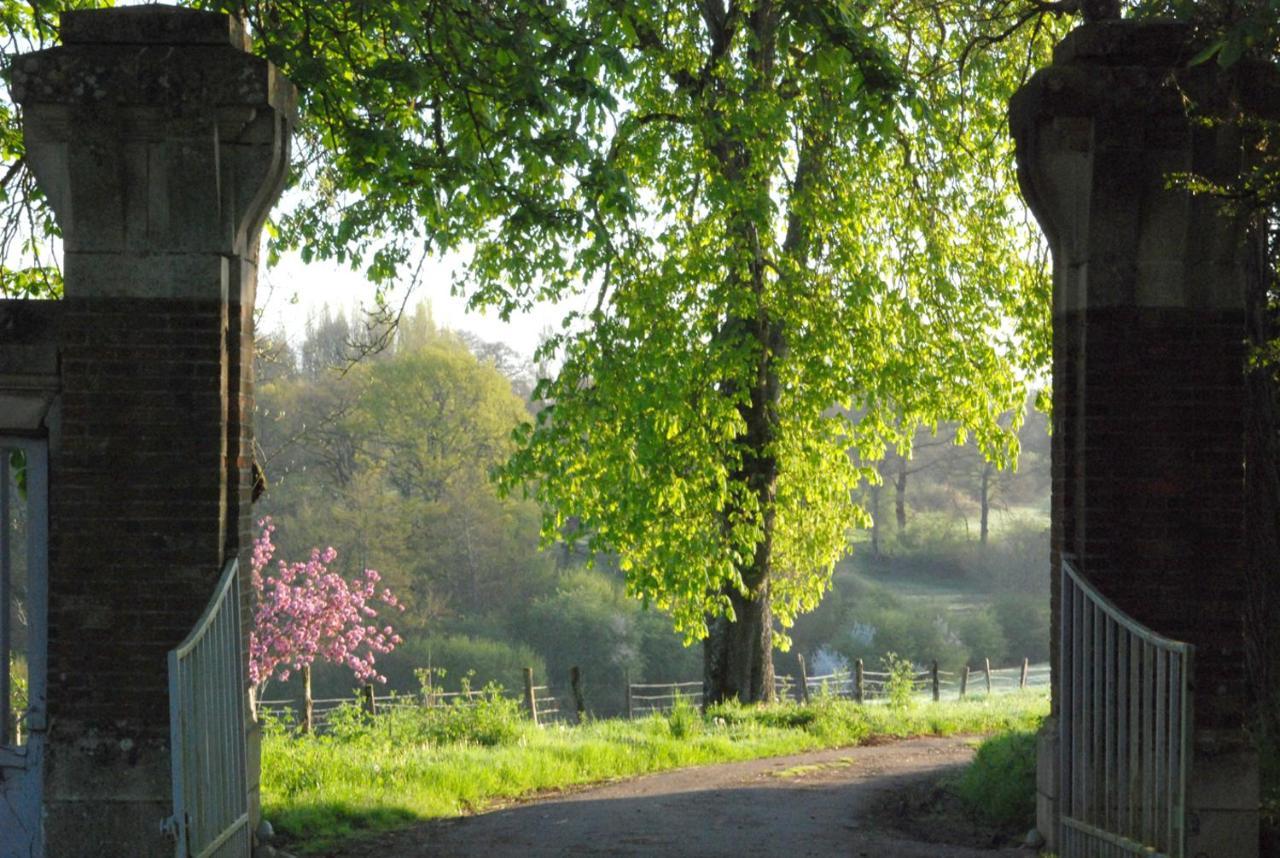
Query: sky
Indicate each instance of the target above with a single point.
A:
(292, 292)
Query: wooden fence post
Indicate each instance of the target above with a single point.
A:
(964, 681)
(1022, 680)
(987, 661)
(366, 695)
(804, 680)
(529, 699)
(308, 724)
(627, 678)
(937, 689)
(858, 687)
(575, 685)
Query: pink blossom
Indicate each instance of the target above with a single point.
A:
(305, 611)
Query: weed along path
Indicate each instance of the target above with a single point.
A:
(872, 801)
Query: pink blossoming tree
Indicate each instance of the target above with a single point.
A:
(306, 611)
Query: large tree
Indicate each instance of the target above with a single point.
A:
(774, 208)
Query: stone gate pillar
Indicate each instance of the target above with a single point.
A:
(161, 143)
(1148, 367)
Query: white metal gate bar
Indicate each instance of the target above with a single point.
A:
(206, 714)
(1125, 724)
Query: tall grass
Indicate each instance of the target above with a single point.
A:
(405, 766)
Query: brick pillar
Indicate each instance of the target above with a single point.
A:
(160, 143)
(1148, 367)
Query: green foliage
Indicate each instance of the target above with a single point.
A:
(456, 658)
(27, 229)
(934, 544)
(1024, 620)
(1016, 560)
(900, 686)
(999, 786)
(347, 722)
(810, 233)
(881, 622)
(394, 456)
(773, 213)
(1229, 30)
(489, 720)
(19, 698)
(982, 635)
(683, 719)
(590, 622)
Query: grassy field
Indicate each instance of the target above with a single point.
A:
(411, 765)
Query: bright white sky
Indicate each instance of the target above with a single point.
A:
(292, 292)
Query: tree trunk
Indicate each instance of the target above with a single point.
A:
(900, 495)
(738, 656)
(985, 501)
(875, 520)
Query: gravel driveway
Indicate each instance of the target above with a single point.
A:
(877, 801)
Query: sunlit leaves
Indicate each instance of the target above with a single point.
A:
(894, 258)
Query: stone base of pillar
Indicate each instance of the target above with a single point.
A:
(107, 798)
(1223, 796)
(1047, 783)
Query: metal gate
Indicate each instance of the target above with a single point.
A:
(206, 716)
(1126, 731)
(24, 569)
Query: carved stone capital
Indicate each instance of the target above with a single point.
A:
(154, 135)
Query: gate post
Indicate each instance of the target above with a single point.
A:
(1148, 368)
(160, 143)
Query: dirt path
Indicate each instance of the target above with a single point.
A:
(868, 802)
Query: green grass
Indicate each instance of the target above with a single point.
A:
(999, 787)
(320, 791)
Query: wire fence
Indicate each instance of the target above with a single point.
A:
(857, 684)
(872, 685)
(542, 703)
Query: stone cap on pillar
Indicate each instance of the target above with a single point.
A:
(141, 25)
(1102, 134)
(160, 142)
(1148, 42)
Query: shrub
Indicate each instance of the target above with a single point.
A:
(348, 722)
(591, 623)
(934, 544)
(1017, 560)
(999, 786)
(911, 632)
(1024, 620)
(900, 687)
(488, 721)
(829, 719)
(983, 636)
(453, 658)
(684, 719)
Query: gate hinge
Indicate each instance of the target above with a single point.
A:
(169, 826)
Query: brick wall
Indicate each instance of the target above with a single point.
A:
(138, 501)
(1148, 475)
